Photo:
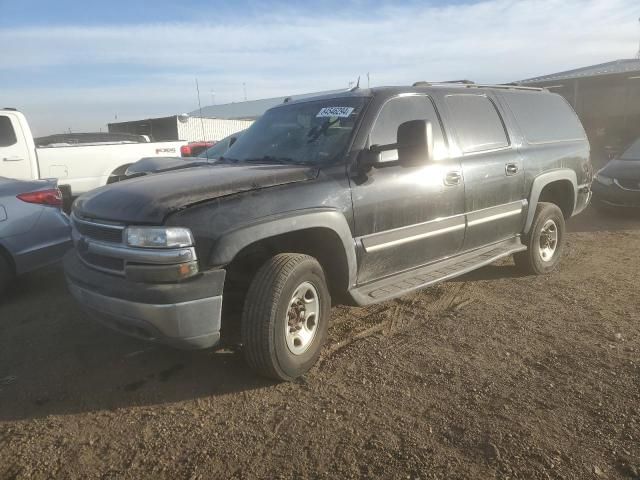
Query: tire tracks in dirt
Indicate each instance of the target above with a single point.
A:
(395, 316)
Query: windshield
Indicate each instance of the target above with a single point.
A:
(305, 133)
(633, 152)
(220, 148)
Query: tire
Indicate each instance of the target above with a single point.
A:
(543, 252)
(6, 274)
(273, 346)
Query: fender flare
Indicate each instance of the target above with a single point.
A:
(231, 243)
(542, 181)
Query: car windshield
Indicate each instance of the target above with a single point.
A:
(220, 148)
(301, 133)
(633, 152)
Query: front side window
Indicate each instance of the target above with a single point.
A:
(477, 123)
(403, 109)
(314, 132)
(7, 133)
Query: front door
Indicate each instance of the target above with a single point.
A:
(407, 216)
(15, 160)
(492, 168)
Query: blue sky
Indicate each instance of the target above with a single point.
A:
(79, 64)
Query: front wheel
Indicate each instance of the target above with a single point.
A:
(286, 316)
(545, 241)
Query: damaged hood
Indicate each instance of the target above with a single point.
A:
(149, 199)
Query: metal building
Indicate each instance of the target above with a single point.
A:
(213, 122)
(252, 109)
(606, 97)
(181, 127)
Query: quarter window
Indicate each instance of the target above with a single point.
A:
(477, 123)
(403, 109)
(544, 117)
(7, 134)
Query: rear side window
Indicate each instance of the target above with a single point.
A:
(544, 117)
(477, 123)
(403, 109)
(7, 134)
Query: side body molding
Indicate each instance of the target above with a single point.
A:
(542, 181)
(228, 246)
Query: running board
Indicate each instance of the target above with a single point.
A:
(402, 283)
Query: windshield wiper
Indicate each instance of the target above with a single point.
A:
(318, 130)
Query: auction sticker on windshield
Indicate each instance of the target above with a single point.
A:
(335, 112)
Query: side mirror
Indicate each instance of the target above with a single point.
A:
(368, 158)
(415, 142)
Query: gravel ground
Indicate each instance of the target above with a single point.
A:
(494, 375)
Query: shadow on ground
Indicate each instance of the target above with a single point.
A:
(54, 360)
(614, 220)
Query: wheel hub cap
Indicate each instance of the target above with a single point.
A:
(548, 240)
(302, 318)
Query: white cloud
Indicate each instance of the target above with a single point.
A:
(284, 52)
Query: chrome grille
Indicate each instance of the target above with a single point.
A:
(99, 231)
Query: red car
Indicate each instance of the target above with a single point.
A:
(193, 149)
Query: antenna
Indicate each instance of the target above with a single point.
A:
(200, 108)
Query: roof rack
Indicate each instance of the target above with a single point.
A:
(461, 82)
(471, 84)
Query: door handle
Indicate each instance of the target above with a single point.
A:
(511, 169)
(452, 178)
(12, 159)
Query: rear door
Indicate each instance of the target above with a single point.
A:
(492, 168)
(407, 216)
(15, 160)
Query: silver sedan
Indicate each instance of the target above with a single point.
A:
(34, 231)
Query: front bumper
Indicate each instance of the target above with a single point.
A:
(614, 196)
(184, 315)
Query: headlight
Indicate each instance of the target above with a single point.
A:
(159, 237)
(603, 179)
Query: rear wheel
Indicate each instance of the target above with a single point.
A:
(545, 241)
(286, 316)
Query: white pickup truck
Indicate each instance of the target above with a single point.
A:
(78, 168)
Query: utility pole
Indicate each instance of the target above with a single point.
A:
(213, 97)
(244, 89)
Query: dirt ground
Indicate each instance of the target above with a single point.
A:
(495, 375)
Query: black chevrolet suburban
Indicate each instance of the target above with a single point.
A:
(356, 198)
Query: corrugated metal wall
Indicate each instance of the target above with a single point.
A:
(195, 128)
